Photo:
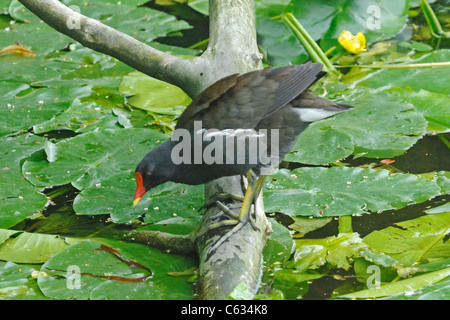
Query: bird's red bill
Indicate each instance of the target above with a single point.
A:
(140, 189)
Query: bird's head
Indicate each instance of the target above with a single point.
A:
(150, 172)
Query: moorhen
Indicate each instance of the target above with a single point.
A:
(267, 109)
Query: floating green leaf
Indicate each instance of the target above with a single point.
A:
(93, 263)
(16, 282)
(433, 106)
(415, 240)
(429, 79)
(25, 247)
(324, 21)
(153, 95)
(279, 245)
(19, 198)
(407, 286)
(336, 250)
(339, 191)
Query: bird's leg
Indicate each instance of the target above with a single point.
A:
(253, 189)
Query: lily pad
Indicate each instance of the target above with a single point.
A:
(25, 247)
(19, 198)
(433, 79)
(434, 107)
(103, 274)
(16, 282)
(153, 95)
(336, 250)
(403, 287)
(422, 238)
(324, 20)
(125, 16)
(339, 191)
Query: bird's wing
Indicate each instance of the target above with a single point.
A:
(243, 101)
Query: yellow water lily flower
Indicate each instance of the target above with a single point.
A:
(354, 44)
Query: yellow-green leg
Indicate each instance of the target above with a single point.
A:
(253, 189)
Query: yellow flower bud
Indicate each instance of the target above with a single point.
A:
(354, 44)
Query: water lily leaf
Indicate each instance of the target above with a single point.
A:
(303, 225)
(408, 241)
(16, 282)
(38, 105)
(433, 106)
(429, 79)
(104, 275)
(174, 200)
(417, 46)
(404, 287)
(79, 117)
(31, 247)
(125, 16)
(339, 191)
(153, 95)
(201, 6)
(35, 36)
(442, 178)
(358, 16)
(439, 209)
(13, 275)
(435, 291)
(279, 245)
(329, 145)
(336, 250)
(19, 198)
(101, 152)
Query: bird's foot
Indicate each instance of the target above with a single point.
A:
(219, 197)
(237, 221)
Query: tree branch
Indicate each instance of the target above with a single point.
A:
(232, 49)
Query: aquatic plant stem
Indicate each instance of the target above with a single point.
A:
(444, 140)
(314, 51)
(397, 66)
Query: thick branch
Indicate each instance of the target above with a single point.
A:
(236, 260)
(232, 49)
(232, 45)
(99, 37)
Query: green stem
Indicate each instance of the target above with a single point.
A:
(59, 191)
(444, 140)
(315, 52)
(432, 21)
(202, 43)
(345, 224)
(398, 66)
